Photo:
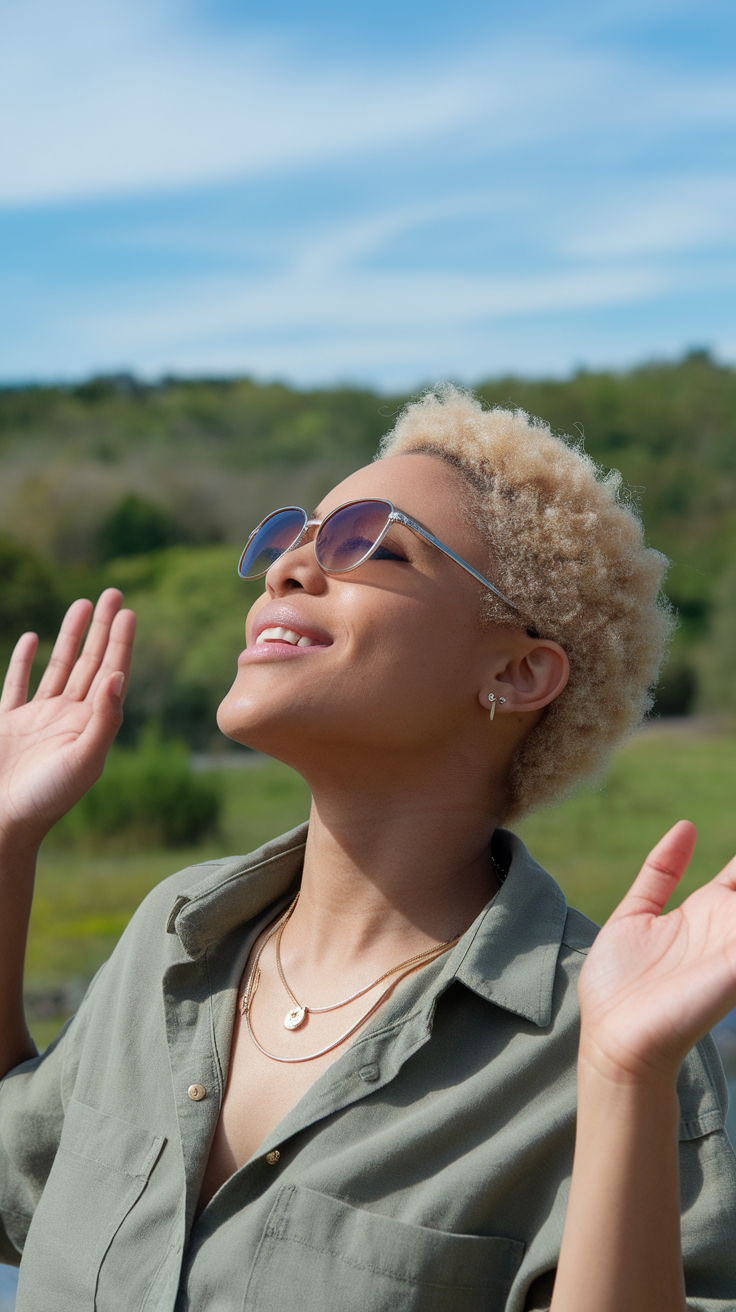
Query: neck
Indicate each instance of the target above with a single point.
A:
(390, 869)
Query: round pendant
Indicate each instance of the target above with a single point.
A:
(294, 1018)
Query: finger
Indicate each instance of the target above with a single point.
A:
(119, 652)
(106, 718)
(65, 649)
(95, 646)
(15, 684)
(661, 872)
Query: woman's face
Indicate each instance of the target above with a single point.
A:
(396, 653)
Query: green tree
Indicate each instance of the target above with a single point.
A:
(147, 796)
(136, 526)
(191, 607)
(718, 673)
(29, 598)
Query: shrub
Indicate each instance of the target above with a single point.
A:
(134, 527)
(677, 689)
(147, 796)
(191, 607)
(28, 594)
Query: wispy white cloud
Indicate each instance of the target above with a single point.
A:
(481, 205)
(111, 97)
(690, 212)
(348, 302)
(327, 305)
(391, 331)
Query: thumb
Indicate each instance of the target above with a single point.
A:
(661, 872)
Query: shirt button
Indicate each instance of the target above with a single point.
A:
(197, 1092)
(369, 1073)
(273, 1157)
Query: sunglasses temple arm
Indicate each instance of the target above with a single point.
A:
(429, 537)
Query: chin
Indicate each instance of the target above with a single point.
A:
(236, 719)
(252, 724)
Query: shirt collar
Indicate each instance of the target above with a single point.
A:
(508, 955)
(513, 946)
(227, 893)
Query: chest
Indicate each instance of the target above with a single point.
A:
(425, 1142)
(261, 1090)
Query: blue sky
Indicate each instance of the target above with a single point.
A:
(386, 194)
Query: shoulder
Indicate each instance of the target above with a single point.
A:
(701, 1086)
(157, 904)
(224, 891)
(198, 906)
(537, 912)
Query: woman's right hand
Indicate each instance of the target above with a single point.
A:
(53, 747)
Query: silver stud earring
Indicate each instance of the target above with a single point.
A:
(495, 701)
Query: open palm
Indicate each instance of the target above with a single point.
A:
(53, 747)
(654, 984)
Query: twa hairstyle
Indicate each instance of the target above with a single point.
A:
(565, 547)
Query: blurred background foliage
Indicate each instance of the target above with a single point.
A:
(147, 797)
(155, 487)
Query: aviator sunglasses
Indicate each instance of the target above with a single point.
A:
(345, 539)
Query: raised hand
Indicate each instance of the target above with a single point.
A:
(53, 747)
(654, 984)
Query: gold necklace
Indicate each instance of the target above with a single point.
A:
(297, 1016)
(255, 975)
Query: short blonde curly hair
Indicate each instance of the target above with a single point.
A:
(570, 552)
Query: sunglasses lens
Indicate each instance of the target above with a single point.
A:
(348, 535)
(272, 538)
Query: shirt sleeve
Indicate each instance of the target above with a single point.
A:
(539, 1297)
(707, 1188)
(707, 1183)
(33, 1099)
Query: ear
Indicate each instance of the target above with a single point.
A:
(530, 680)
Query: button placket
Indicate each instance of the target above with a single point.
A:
(194, 1070)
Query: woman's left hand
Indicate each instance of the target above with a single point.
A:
(654, 984)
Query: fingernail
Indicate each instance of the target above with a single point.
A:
(117, 684)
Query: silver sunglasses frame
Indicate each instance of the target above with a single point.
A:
(395, 517)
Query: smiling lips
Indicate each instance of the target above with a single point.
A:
(286, 635)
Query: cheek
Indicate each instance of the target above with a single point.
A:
(411, 658)
(400, 671)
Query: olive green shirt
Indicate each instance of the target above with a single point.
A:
(426, 1171)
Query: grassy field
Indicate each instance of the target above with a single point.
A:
(84, 901)
(593, 845)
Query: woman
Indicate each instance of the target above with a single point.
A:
(342, 1073)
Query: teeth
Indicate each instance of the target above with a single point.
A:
(284, 635)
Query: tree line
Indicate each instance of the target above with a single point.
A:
(155, 486)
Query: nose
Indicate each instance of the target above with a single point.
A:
(297, 570)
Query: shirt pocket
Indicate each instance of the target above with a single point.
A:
(346, 1258)
(101, 1168)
